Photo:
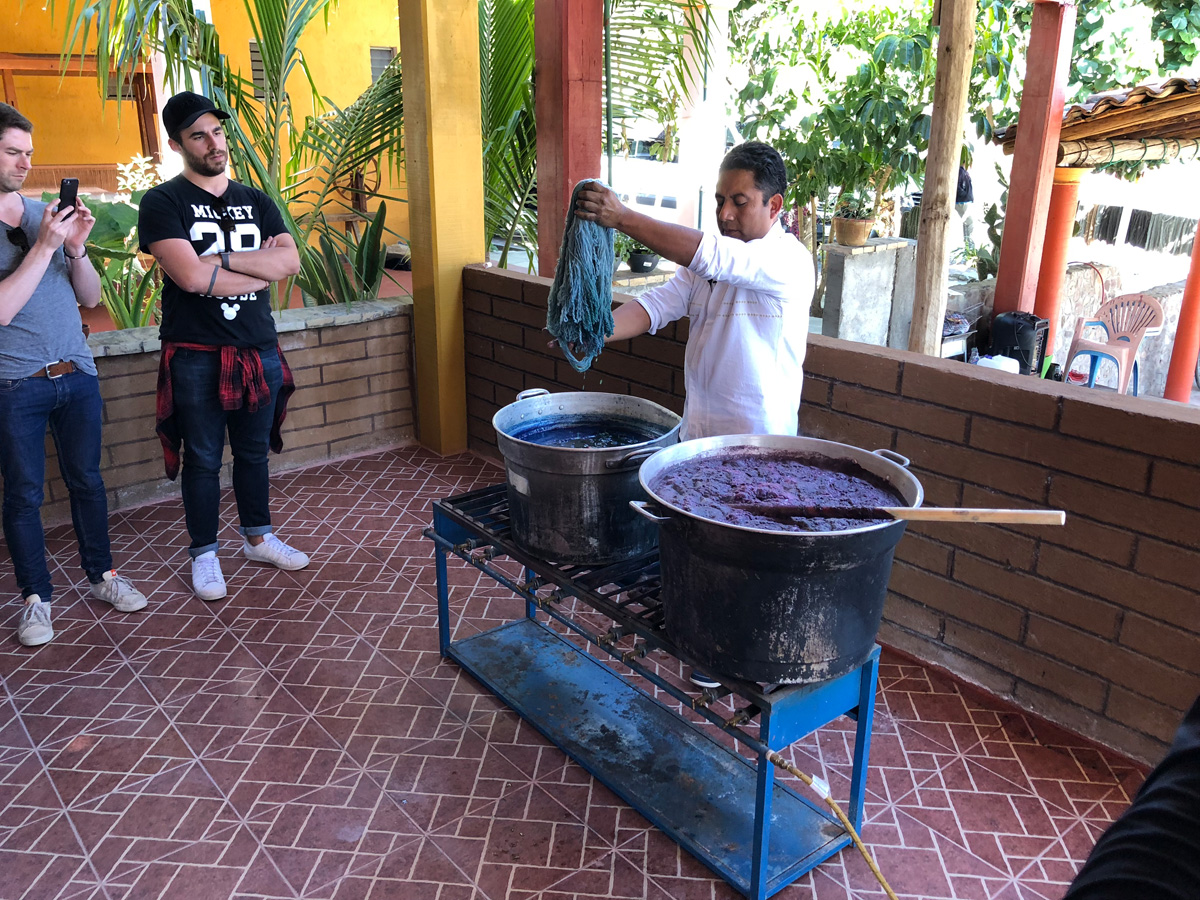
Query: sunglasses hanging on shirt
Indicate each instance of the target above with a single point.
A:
(19, 239)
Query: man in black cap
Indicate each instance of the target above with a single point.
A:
(220, 244)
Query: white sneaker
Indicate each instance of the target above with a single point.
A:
(274, 551)
(119, 591)
(35, 629)
(207, 580)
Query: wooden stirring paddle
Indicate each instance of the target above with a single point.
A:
(911, 514)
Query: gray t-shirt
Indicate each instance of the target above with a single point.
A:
(48, 327)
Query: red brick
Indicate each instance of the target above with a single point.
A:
(1037, 594)
(518, 312)
(1049, 705)
(477, 302)
(985, 392)
(501, 376)
(349, 334)
(989, 541)
(939, 491)
(956, 600)
(924, 553)
(1169, 430)
(912, 616)
(1172, 481)
(524, 360)
(496, 330)
(478, 345)
(1121, 665)
(1063, 454)
(536, 292)
(922, 418)
(877, 368)
(1174, 646)
(635, 369)
(1114, 545)
(667, 351)
(1024, 664)
(484, 390)
(1148, 515)
(1122, 587)
(975, 466)
(491, 280)
(816, 391)
(818, 422)
(1136, 711)
(1178, 565)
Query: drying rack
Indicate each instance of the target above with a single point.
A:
(728, 811)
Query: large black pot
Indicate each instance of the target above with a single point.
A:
(569, 504)
(774, 606)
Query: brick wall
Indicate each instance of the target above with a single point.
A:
(1095, 625)
(353, 394)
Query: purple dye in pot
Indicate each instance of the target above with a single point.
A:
(709, 486)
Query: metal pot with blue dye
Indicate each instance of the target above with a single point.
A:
(572, 462)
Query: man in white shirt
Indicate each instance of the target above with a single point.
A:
(746, 294)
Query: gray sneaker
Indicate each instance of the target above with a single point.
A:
(119, 592)
(274, 551)
(35, 629)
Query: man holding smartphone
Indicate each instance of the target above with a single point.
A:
(48, 379)
(221, 244)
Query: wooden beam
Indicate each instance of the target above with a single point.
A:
(10, 88)
(443, 146)
(956, 48)
(1182, 372)
(1038, 129)
(146, 100)
(1097, 153)
(569, 79)
(26, 64)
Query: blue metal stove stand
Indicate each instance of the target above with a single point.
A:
(758, 834)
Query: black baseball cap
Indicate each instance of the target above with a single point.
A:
(185, 108)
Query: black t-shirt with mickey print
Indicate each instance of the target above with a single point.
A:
(240, 219)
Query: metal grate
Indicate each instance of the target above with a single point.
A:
(627, 592)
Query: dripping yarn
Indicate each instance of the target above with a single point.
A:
(579, 313)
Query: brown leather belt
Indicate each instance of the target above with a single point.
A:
(55, 370)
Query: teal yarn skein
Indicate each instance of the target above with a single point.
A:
(579, 311)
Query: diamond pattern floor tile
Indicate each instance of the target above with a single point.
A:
(304, 740)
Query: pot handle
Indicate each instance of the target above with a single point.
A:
(893, 456)
(532, 392)
(638, 456)
(642, 508)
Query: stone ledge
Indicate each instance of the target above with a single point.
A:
(873, 245)
(130, 341)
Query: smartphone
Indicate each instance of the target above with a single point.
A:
(68, 191)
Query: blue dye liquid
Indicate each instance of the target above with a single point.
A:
(588, 432)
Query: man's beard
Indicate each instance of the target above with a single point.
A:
(201, 166)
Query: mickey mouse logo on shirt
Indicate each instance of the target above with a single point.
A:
(230, 310)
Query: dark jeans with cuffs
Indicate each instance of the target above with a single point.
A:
(71, 407)
(195, 377)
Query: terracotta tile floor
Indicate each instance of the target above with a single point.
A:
(303, 739)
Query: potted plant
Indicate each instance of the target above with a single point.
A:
(642, 260)
(622, 247)
(853, 219)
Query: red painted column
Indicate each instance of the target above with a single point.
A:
(1036, 152)
(1187, 336)
(1060, 222)
(569, 80)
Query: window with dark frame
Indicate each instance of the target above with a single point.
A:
(380, 58)
(257, 73)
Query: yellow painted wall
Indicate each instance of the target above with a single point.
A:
(71, 126)
(339, 59)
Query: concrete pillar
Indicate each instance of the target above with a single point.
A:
(1035, 154)
(569, 80)
(1060, 221)
(1182, 373)
(443, 145)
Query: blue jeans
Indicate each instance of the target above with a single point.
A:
(195, 377)
(71, 406)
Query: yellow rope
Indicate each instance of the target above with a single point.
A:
(837, 810)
